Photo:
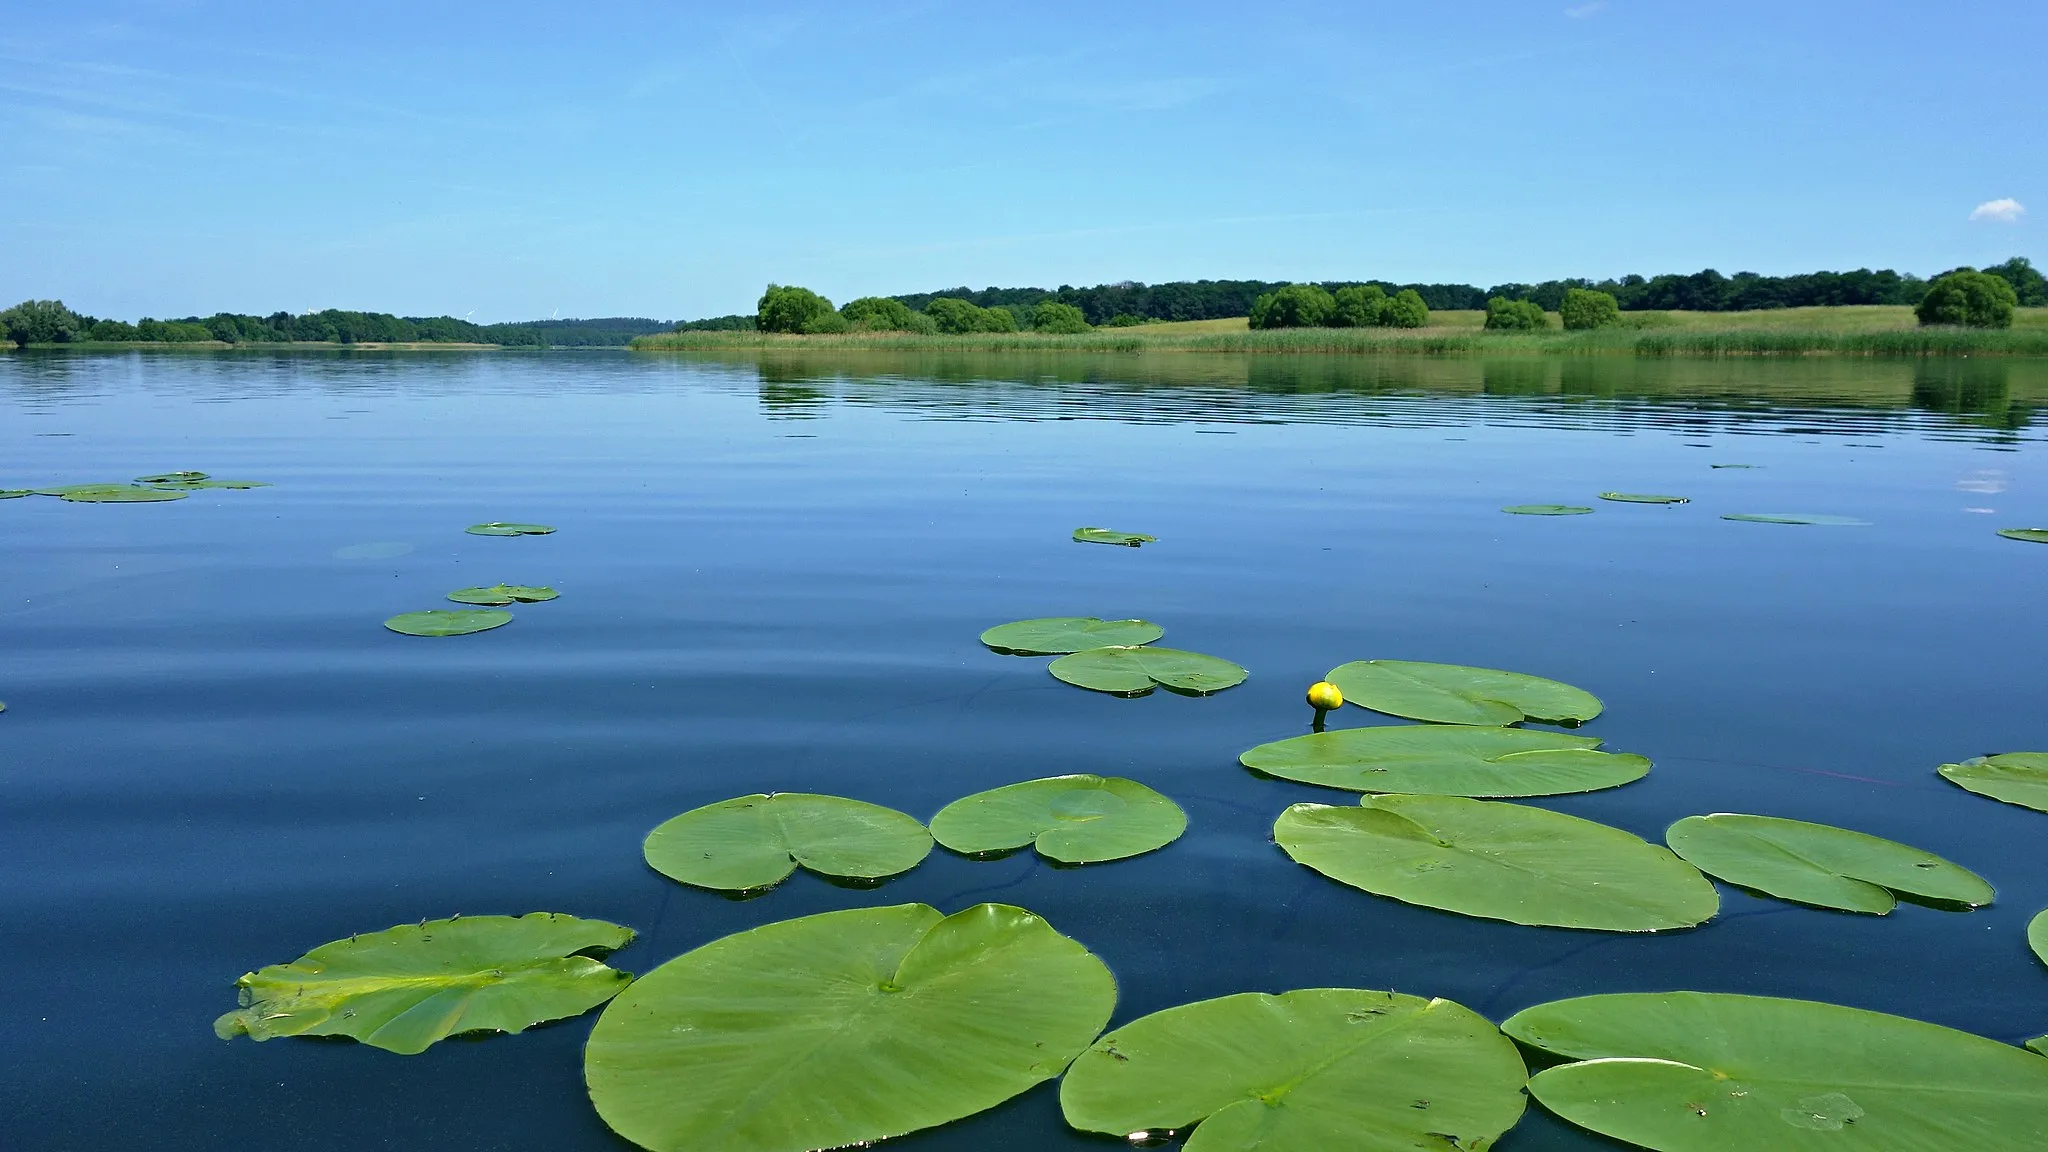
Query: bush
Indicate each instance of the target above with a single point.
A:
(1969, 298)
(879, 314)
(110, 330)
(1405, 310)
(1505, 315)
(1123, 320)
(788, 309)
(1359, 306)
(957, 317)
(1058, 319)
(1585, 308)
(177, 331)
(41, 322)
(826, 324)
(1294, 306)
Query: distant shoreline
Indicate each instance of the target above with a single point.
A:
(266, 346)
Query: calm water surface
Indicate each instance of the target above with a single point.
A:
(773, 573)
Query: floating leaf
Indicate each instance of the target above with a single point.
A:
(1547, 509)
(448, 621)
(755, 841)
(1303, 1071)
(1820, 865)
(404, 988)
(2037, 935)
(173, 478)
(1644, 498)
(1128, 670)
(1714, 1072)
(1447, 760)
(2014, 777)
(200, 485)
(1057, 635)
(2039, 1044)
(1734, 465)
(843, 1028)
(111, 494)
(494, 528)
(15, 493)
(1079, 819)
(1456, 694)
(381, 550)
(1498, 861)
(1794, 518)
(1111, 536)
(2030, 535)
(503, 594)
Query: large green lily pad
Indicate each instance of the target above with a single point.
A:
(843, 1028)
(1547, 509)
(448, 621)
(112, 494)
(1112, 536)
(2029, 535)
(1058, 635)
(2037, 935)
(1713, 1072)
(1131, 670)
(503, 594)
(2014, 777)
(1304, 1071)
(1447, 760)
(406, 987)
(1456, 694)
(1819, 864)
(496, 528)
(1080, 819)
(1498, 861)
(752, 842)
(1644, 498)
(1795, 518)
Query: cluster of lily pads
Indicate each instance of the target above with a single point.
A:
(490, 601)
(153, 489)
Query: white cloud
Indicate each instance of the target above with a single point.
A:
(1581, 11)
(2002, 211)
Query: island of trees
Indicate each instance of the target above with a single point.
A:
(50, 322)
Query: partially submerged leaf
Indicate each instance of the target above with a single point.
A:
(2030, 535)
(495, 528)
(448, 621)
(1498, 861)
(1794, 518)
(406, 987)
(1547, 509)
(1714, 1072)
(112, 494)
(199, 485)
(15, 493)
(843, 1028)
(1080, 819)
(2014, 777)
(173, 478)
(1447, 760)
(1734, 465)
(1111, 536)
(2037, 935)
(1058, 635)
(1644, 498)
(1303, 1071)
(1820, 865)
(1128, 670)
(503, 594)
(752, 842)
(1456, 694)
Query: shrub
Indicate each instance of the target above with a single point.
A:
(1294, 306)
(879, 314)
(788, 309)
(110, 330)
(177, 331)
(40, 322)
(1505, 315)
(1585, 308)
(1969, 298)
(1057, 318)
(1123, 320)
(957, 317)
(826, 324)
(1405, 310)
(1359, 306)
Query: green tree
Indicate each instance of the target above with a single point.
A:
(957, 317)
(879, 314)
(1405, 310)
(1292, 306)
(1359, 306)
(1057, 318)
(826, 324)
(1970, 298)
(41, 322)
(1587, 308)
(1505, 315)
(2027, 282)
(788, 309)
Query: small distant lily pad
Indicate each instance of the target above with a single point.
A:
(2030, 535)
(1447, 760)
(1111, 536)
(112, 494)
(503, 594)
(2014, 777)
(496, 528)
(15, 493)
(173, 478)
(1457, 694)
(1644, 498)
(1080, 819)
(448, 621)
(1058, 635)
(1820, 865)
(201, 485)
(1547, 509)
(1127, 670)
(1734, 465)
(754, 842)
(1794, 518)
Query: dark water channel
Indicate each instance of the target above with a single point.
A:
(773, 574)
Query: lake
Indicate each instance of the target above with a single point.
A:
(773, 573)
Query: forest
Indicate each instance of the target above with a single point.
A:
(50, 322)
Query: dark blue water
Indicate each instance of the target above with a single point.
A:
(773, 574)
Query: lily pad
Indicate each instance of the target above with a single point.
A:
(1303, 1071)
(406, 987)
(1820, 865)
(112, 494)
(173, 478)
(1058, 635)
(843, 1028)
(1131, 670)
(1079, 819)
(1547, 509)
(1111, 536)
(494, 528)
(1795, 518)
(1714, 1072)
(503, 594)
(15, 493)
(1498, 861)
(1456, 694)
(448, 621)
(1644, 498)
(2030, 535)
(2037, 935)
(1447, 760)
(2014, 777)
(1734, 465)
(2039, 1044)
(752, 842)
(200, 485)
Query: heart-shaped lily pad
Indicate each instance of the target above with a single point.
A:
(1319, 1068)
(112, 494)
(752, 842)
(1547, 509)
(2014, 777)
(1112, 536)
(1447, 760)
(448, 621)
(503, 594)
(1058, 635)
(496, 528)
(1080, 819)
(2030, 535)
(406, 987)
(1795, 518)
(1457, 694)
(1129, 670)
(1820, 865)
(1644, 498)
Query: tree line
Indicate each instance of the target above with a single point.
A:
(50, 322)
(794, 310)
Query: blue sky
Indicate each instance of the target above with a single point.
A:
(511, 160)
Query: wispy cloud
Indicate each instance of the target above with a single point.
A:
(2004, 210)
(1581, 11)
